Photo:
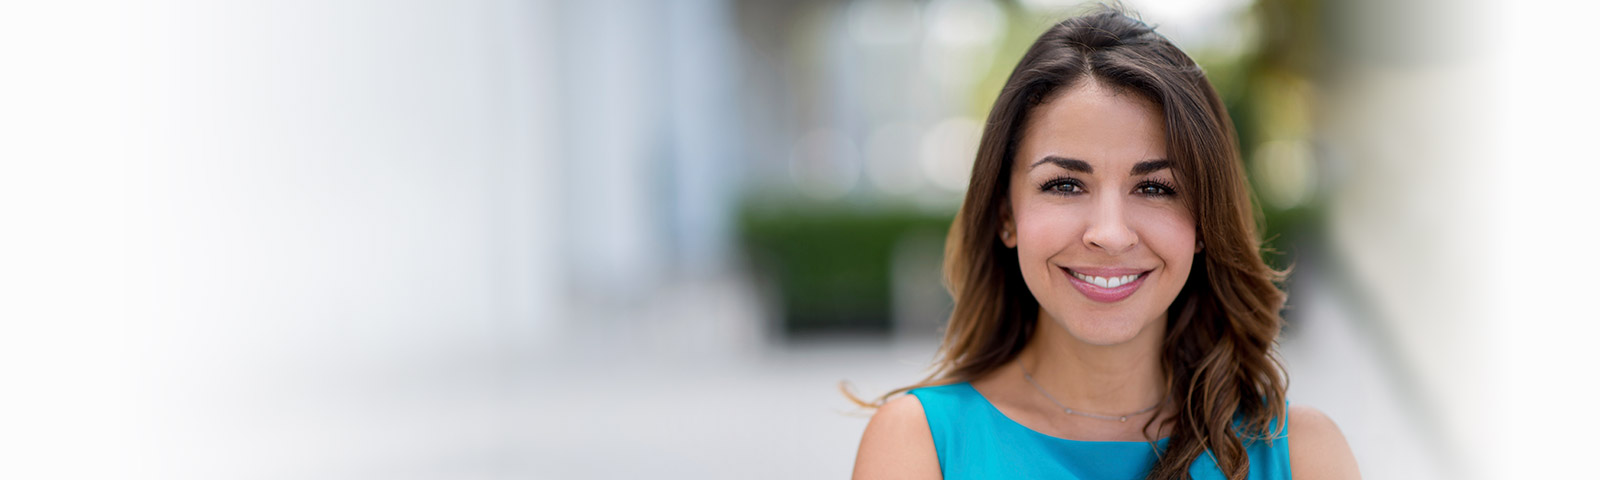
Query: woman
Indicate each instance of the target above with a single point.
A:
(1113, 315)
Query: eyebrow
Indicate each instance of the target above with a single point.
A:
(1076, 165)
(1067, 163)
(1148, 166)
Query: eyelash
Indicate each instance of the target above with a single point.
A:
(1163, 188)
(1050, 185)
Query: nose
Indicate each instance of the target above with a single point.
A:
(1108, 228)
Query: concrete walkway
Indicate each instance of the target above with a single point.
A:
(683, 386)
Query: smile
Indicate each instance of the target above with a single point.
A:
(1107, 285)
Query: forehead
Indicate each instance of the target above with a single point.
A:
(1095, 124)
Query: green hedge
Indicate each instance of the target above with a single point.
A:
(831, 263)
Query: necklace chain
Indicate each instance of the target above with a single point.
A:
(1120, 418)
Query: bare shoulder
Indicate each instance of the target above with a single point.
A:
(897, 444)
(1317, 449)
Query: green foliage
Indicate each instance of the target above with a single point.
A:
(832, 263)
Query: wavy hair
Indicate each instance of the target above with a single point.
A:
(1218, 356)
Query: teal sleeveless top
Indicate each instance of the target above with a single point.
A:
(975, 440)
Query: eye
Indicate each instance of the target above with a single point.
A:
(1062, 186)
(1155, 188)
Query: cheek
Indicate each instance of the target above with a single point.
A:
(1043, 232)
(1170, 234)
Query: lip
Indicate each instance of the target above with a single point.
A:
(1104, 294)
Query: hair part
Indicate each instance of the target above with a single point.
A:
(1218, 356)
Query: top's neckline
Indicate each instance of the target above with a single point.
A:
(996, 410)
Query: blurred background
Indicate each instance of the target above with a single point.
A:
(628, 238)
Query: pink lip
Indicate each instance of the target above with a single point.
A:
(1103, 294)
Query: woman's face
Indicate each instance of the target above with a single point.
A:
(1102, 237)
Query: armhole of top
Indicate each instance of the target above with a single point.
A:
(933, 410)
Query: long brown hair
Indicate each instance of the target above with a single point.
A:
(1218, 355)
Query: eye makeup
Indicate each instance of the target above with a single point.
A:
(1156, 188)
(1065, 185)
(1062, 185)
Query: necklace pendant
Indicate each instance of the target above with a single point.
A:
(1123, 419)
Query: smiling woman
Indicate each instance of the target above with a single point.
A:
(1113, 316)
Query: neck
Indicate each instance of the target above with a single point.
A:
(1101, 379)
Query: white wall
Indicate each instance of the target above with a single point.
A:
(274, 239)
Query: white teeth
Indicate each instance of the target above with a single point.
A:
(1104, 282)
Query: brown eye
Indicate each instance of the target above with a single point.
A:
(1062, 186)
(1154, 189)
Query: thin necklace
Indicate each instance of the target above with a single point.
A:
(1120, 418)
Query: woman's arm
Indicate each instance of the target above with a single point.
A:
(897, 444)
(1317, 450)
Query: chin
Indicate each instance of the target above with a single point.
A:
(1103, 330)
